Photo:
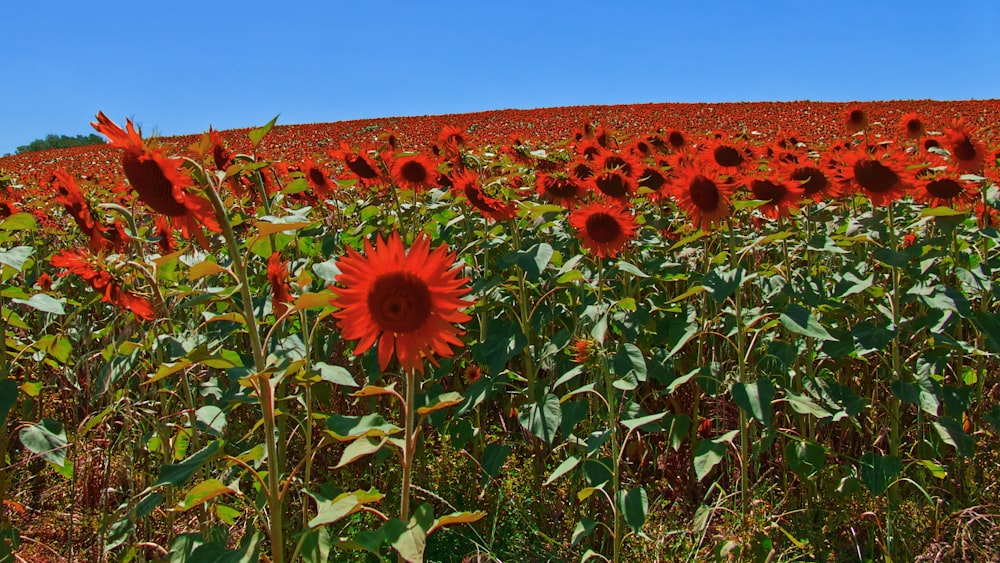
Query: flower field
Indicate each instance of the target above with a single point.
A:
(663, 332)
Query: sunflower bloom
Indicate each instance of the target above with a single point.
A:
(410, 301)
(778, 196)
(414, 172)
(558, 187)
(968, 154)
(702, 194)
(101, 280)
(277, 277)
(467, 183)
(604, 227)
(883, 178)
(158, 179)
(68, 193)
(855, 118)
(911, 126)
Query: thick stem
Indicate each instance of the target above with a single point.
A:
(409, 443)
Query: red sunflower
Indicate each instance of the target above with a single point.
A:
(361, 166)
(158, 179)
(100, 278)
(467, 183)
(69, 195)
(911, 126)
(944, 187)
(320, 181)
(855, 118)
(604, 227)
(558, 187)
(881, 176)
(812, 181)
(277, 277)
(410, 301)
(778, 196)
(414, 172)
(968, 154)
(702, 193)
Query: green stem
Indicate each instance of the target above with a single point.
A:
(734, 263)
(894, 402)
(409, 443)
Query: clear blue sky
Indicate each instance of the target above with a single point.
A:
(178, 67)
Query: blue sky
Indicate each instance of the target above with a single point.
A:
(178, 67)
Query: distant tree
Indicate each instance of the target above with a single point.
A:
(60, 142)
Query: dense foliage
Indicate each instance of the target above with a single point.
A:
(60, 142)
(752, 331)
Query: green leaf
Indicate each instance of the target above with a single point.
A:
(504, 341)
(877, 471)
(360, 448)
(257, 134)
(805, 457)
(755, 399)
(952, 433)
(46, 439)
(542, 419)
(494, 456)
(316, 545)
(635, 506)
(583, 529)
(442, 401)
(629, 360)
(19, 222)
(212, 418)
(412, 539)
(565, 467)
(334, 374)
(456, 518)
(347, 428)
(56, 346)
(645, 423)
(802, 404)
(120, 530)
(532, 261)
(723, 283)
(708, 453)
(341, 506)
(799, 320)
(44, 303)
(16, 257)
(178, 473)
(631, 269)
(202, 493)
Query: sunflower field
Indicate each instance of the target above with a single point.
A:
(663, 332)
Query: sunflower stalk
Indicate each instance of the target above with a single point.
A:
(261, 383)
(734, 263)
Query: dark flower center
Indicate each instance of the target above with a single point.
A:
(603, 228)
(399, 302)
(945, 188)
(612, 184)
(561, 187)
(360, 167)
(676, 139)
(874, 176)
(727, 156)
(704, 193)
(582, 171)
(652, 179)
(413, 172)
(813, 180)
(316, 177)
(768, 191)
(153, 186)
(856, 117)
(964, 149)
(931, 143)
(914, 127)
